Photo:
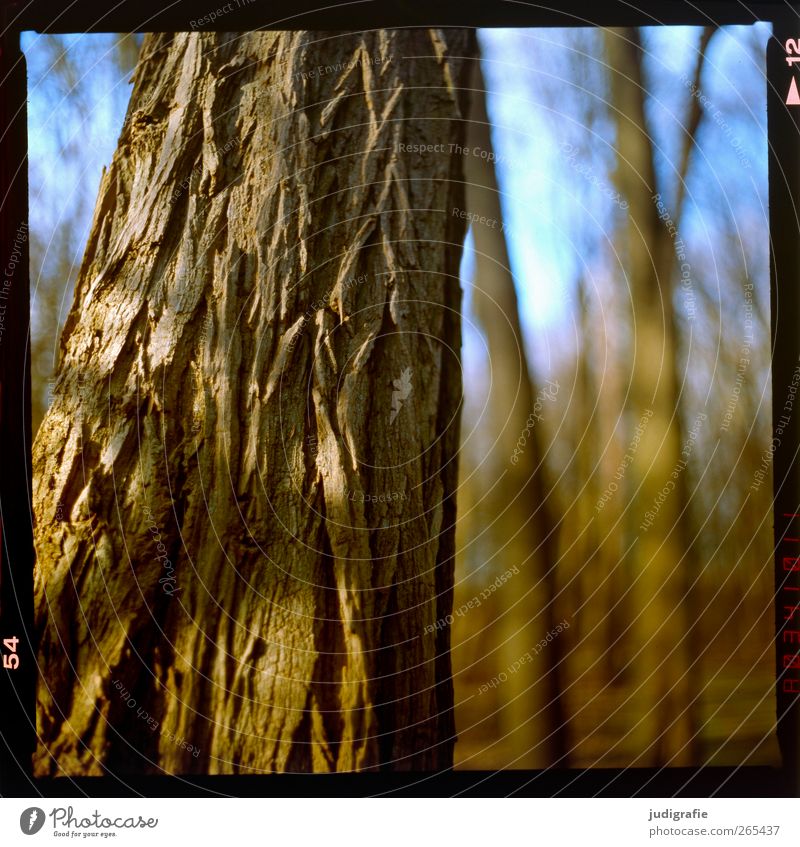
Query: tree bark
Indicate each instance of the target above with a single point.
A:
(245, 486)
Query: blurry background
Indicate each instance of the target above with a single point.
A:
(614, 581)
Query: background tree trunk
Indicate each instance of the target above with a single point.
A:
(238, 526)
(524, 528)
(657, 561)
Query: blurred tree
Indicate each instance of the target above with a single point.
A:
(523, 525)
(658, 558)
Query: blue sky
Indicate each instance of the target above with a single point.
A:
(546, 90)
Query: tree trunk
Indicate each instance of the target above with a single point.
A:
(245, 486)
(524, 529)
(663, 725)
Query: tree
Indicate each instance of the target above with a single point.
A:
(659, 535)
(524, 528)
(244, 539)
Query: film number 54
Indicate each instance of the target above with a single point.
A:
(11, 659)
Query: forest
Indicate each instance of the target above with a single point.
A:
(401, 400)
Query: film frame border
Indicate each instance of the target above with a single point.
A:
(17, 686)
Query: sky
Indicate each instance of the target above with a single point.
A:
(547, 89)
(86, 110)
(553, 140)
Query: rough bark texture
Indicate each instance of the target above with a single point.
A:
(264, 266)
